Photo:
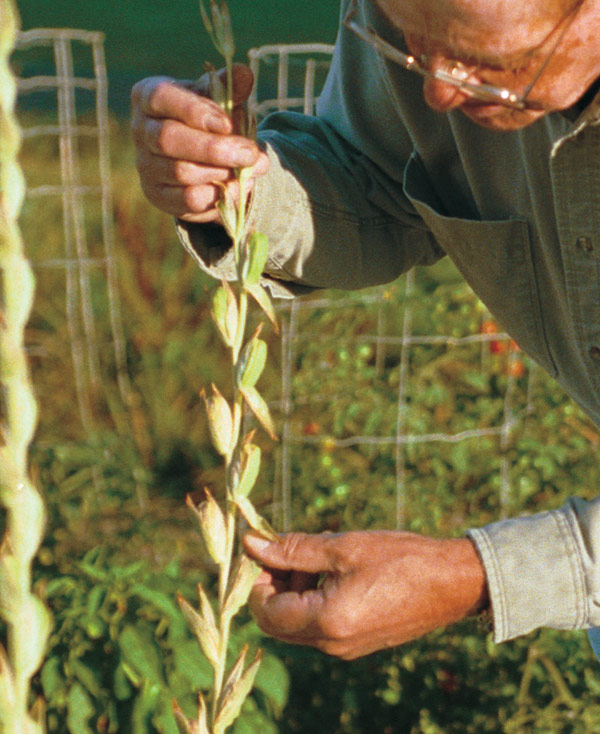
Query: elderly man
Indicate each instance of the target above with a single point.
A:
(489, 152)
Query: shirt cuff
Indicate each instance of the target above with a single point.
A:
(535, 572)
(211, 247)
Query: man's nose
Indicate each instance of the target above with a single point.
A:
(438, 94)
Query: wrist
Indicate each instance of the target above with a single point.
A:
(472, 578)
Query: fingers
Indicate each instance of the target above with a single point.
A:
(186, 147)
(284, 611)
(243, 81)
(165, 98)
(173, 139)
(313, 554)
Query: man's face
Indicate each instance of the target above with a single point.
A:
(503, 43)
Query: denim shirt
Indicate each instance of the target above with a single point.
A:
(376, 183)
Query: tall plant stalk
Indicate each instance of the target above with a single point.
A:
(241, 456)
(27, 619)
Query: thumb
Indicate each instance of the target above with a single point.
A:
(294, 552)
(243, 80)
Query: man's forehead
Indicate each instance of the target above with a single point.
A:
(494, 28)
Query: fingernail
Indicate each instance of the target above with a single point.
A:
(217, 124)
(246, 155)
(256, 544)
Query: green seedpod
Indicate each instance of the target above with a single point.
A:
(256, 522)
(259, 407)
(95, 627)
(250, 467)
(225, 313)
(87, 676)
(244, 575)
(234, 694)
(263, 299)
(79, 710)
(212, 526)
(203, 625)
(121, 685)
(220, 420)
(252, 361)
(256, 258)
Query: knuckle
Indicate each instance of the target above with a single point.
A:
(336, 625)
(156, 95)
(195, 198)
(165, 134)
(182, 172)
(290, 544)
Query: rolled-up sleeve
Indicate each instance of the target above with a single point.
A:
(543, 570)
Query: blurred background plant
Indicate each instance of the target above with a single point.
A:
(120, 542)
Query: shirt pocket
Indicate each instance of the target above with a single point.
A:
(495, 259)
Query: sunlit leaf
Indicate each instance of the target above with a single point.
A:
(211, 522)
(263, 299)
(256, 522)
(250, 467)
(235, 694)
(220, 420)
(243, 575)
(203, 626)
(259, 407)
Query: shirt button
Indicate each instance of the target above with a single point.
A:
(585, 244)
(595, 353)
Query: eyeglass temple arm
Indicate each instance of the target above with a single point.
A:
(485, 92)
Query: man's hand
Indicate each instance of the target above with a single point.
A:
(186, 144)
(354, 593)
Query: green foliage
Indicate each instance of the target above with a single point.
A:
(158, 451)
(121, 652)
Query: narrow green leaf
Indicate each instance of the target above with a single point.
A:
(121, 686)
(87, 676)
(144, 707)
(263, 299)
(164, 604)
(140, 651)
(258, 252)
(192, 664)
(273, 680)
(79, 710)
(250, 467)
(52, 678)
(259, 407)
(252, 362)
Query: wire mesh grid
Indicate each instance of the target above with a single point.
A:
(304, 328)
(74, 114)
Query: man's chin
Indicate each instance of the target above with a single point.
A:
(500, 118)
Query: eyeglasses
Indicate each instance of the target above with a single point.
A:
(457, 73)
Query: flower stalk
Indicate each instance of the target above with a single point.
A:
(27, 619)
(219, 526)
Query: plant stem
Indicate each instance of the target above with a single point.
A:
(28, 622)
